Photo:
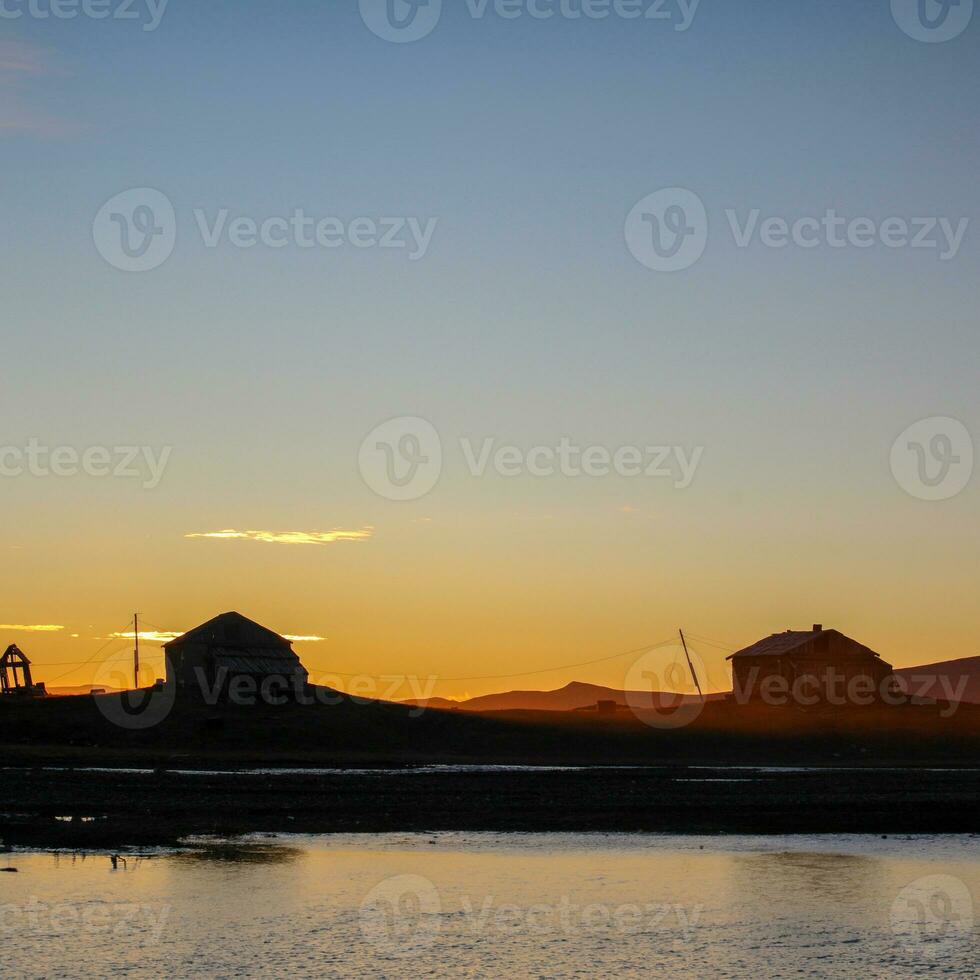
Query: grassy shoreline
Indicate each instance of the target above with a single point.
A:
(120, 809)
(690, 780)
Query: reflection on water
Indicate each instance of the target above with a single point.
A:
(253, 851)
(447, 905)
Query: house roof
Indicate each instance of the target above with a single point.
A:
(14, 655)
(232, 629)
(781, 644)
(258, 662)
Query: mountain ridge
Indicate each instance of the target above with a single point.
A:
(926, 681)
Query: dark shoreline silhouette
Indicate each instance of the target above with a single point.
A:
(879, 770)
(120, 809)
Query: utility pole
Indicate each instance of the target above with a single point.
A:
(697, 683)
(136, 651)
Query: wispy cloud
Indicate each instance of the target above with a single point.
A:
(22, 66)
(288, 537)
(635, 511)
(151, 636)
(158, 636)
(32, 629)
(18, 59)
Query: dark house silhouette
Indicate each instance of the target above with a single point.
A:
(15, 674)
(228, 647)
(817, 661)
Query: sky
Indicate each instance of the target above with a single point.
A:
(485, 275)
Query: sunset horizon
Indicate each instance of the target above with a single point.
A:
(495, 479)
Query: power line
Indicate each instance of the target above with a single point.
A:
(543, 670)
(712, 643)
(82, 663)
(478, 677)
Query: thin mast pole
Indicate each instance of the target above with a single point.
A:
(697, 683)
(136, 651)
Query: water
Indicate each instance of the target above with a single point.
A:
(546, 905)
(745, 773)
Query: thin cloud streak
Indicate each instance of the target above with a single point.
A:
(32, 629)
(21, 66)
(288, 537)
(158, 636)
(151, 636)
(18, 59)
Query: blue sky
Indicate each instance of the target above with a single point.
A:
(528, 318)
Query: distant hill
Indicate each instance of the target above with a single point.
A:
(927, 681)
(567, 698)
(64, 692)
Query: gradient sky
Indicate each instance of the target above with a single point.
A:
(527, 321)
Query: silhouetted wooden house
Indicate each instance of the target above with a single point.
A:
(15, 674)
(814, 662)
(227, 647)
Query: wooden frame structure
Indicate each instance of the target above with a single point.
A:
(11, 662)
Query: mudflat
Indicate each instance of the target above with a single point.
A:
(80, 808)
(71, 777)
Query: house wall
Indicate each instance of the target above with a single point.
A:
(187, 663)
(824, 668)
(183, 661)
